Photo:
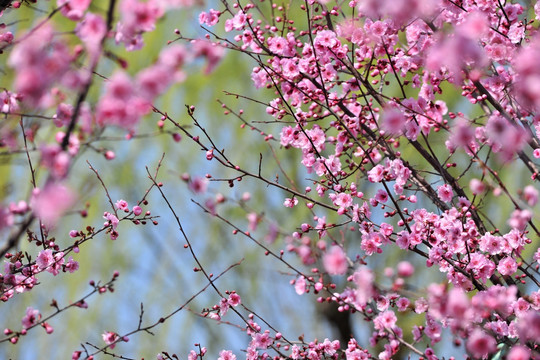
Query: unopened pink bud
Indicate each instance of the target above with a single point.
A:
(109, 155)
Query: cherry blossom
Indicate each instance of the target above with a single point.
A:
(31, 318)
(110, 338)
(52, 202)
(335, 261)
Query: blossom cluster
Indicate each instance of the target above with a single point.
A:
(359, 92)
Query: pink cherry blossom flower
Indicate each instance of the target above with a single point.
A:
(6, 37)
(458, 304)
(72, 265)
(480, 344)
(363, 277)
(383, 303)
(191, 356)
(491, 244)
(226, 355)
(19, 208)
(137, 210)
(516, 32)
(223, 307)
(332, 163)
(253, 221)
(120, 86)
(31, 318)
(262, 341)
(122, 205)
(110, 338)
(173, 56)
(317, 138)
(519, 352)
(507, 266)
(92, 30)
(335, 261)
(260, 79)
(536, 255)
(477, 187)
(530, 195)
(481, 266)
(330, 347)
(504, 137)
(462, 136)
(528, 325)
(500, 328)
(73, 9)
(198, 184)
(300, 286)
(519, 219)
(52, 202)
(153, 81)
(515, 239)
(405, 269)
(445, 193)
(381, 196)
(326, 39)
(385, 320)
(278, 45)
(290, 202)
(433, 329)
(121, 106)
(45, 259)
(125, 35)
(209, 18)
(403, 240)
(420, 305)
(343, 201)
(403, 304)
(521, 306)
(234, 299)
(237, 22)
(290, 68)
(8, 102)
(376, 174)
(111, 220)
(6, 218)
(63, 114)
(417, 333)
(39, 61)
(273, 232)
(393, 121)
(138, 16)
(529, 72)
(287, 135)
(371, 242)
(50, 262)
